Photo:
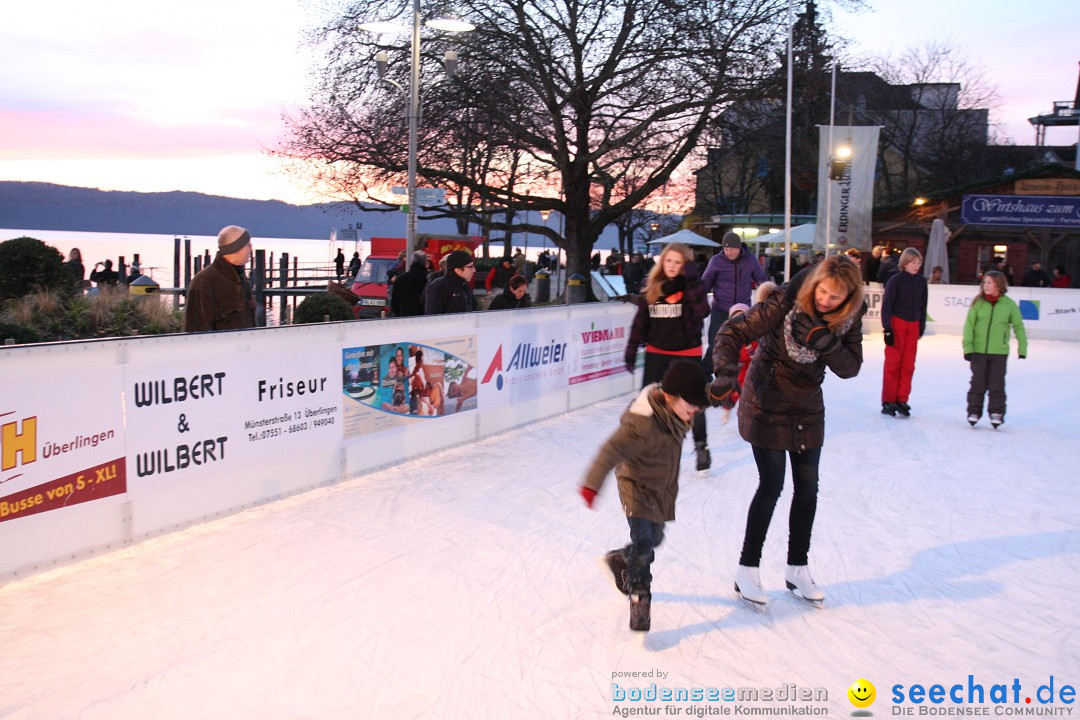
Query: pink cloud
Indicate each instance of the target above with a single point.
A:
(47, 135)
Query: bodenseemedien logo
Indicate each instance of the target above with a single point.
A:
(862, 694)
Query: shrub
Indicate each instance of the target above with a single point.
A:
(27, 263)
(111, 312)
(17, 333)
(315, 308)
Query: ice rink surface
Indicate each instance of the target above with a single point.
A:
(466, 584)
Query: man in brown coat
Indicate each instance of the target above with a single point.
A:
(219, 296)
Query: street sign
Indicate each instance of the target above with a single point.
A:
(422, 194)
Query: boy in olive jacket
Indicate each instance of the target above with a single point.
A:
(644, 452)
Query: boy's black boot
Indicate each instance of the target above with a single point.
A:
(704, 457)
(888, 408)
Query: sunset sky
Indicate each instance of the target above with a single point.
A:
(123, 95)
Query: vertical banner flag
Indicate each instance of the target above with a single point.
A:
(845, 204)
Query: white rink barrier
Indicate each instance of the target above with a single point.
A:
(105, 443)
(109, 442)
(1049, 313)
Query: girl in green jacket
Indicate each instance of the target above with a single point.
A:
(986, 346)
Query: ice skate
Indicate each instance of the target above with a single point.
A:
(615, 563)
(903, 408)
(748, 587)
(704, 457)
(996, 419)
(640, 610)
(802, 585)
(888, 408)
(973, 419)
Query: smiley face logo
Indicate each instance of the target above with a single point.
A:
(862, 693)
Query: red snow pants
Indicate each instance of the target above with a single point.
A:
(900, 361)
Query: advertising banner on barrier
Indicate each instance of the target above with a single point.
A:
(61, 442)
(523, 362)
(188, 418)
(391, 384)
(597, 347)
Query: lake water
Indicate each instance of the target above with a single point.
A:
(156, 253)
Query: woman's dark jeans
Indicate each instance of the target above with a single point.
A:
(771, 470)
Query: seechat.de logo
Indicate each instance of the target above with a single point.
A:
(862, 695)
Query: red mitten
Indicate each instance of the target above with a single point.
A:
(589, 494)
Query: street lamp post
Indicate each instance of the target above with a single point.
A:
(450, 61)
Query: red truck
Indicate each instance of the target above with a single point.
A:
(371, 285)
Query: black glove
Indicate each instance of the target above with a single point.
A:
(968, 356)
(631, 359)
(813, 333)
(721, 390)
(889, 339)
(674, 285)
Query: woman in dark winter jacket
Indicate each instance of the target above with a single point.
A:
(903, 318)
(670, 316)
(803, 327)
(514, 296)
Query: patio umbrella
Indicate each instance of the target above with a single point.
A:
(936, 253)
(686, 237)
(801, 234)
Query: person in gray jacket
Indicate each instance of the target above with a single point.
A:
(730, 276)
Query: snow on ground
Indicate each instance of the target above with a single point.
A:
(466, 584)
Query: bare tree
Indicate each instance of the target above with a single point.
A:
(936, 129)
(564, 99)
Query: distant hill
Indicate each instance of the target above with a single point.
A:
(45, 206)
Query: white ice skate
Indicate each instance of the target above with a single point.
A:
(802, 585)
(748, 586)
(996, 419)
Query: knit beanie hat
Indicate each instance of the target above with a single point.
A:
(738, 308)
(232, 239)
(731, 240)
(457, 260)
(686, 379)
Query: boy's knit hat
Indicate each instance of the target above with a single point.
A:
(686, 379)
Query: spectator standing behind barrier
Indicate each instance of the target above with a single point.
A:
(986, 345)
(75, 266)
(499, 275)
(903, 318)
(873, 264)
(339, 264)
(451, 292)
(405, 300)
(890, 265)
(354, 265)
(135, 274)
(219, 296)
(935, 276)
(107, 276)
(1036, 276)
(730, 276)
(514, 297)
(634, 273)
(1061, 278)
